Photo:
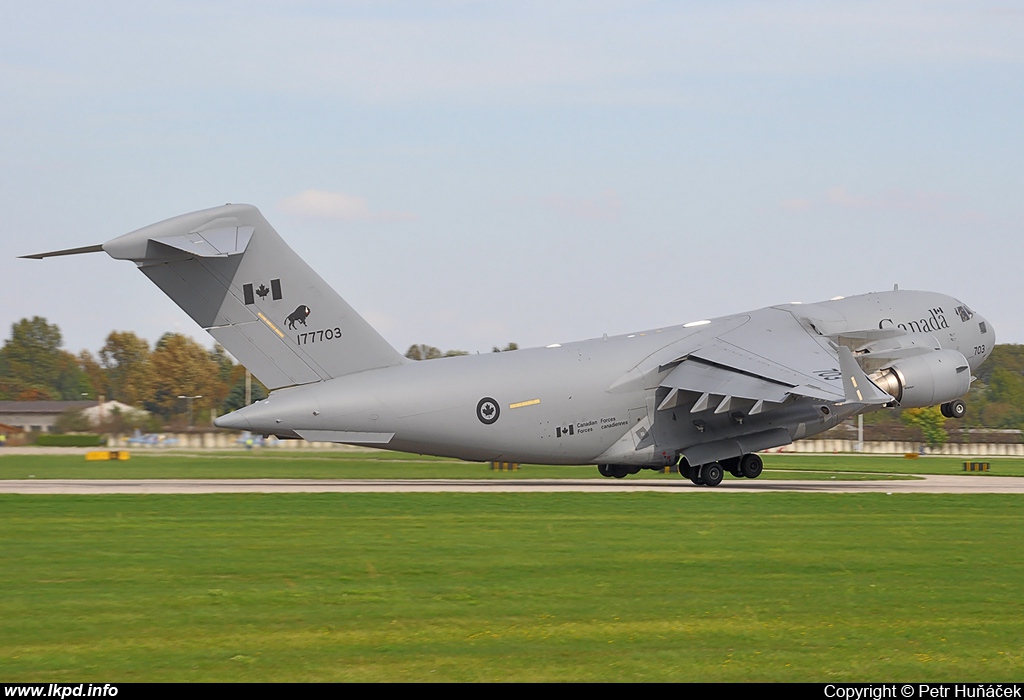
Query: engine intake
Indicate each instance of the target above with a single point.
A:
(926, 380)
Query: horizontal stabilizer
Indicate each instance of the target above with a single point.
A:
(69, 251)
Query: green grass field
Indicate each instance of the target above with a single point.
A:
(525, 587)
(383, 465)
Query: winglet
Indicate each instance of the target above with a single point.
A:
(856, 385)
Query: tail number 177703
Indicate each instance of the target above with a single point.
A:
(318, 336)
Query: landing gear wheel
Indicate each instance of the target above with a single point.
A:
(751, 466)
(954, 409)
(619, 472)
(604, 470)
(711, 474)
(732, 465)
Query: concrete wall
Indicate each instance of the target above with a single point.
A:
(217, 441)
(891, 448)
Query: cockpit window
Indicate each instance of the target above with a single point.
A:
(983, 327)
(965, 313)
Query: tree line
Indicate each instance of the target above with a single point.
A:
(996, 399)
(429, 352)
(995, 402)
(34, 366)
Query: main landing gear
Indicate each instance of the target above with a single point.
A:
(954, 409)
(748, 466)
(709, 474)
(619, 471)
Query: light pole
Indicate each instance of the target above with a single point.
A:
(189, 399)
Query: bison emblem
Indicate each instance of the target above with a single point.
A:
(298, 315)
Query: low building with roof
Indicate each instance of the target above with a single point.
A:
(38, 416)
(100, 413)
(41, 416)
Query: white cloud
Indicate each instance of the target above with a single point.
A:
(321, 204)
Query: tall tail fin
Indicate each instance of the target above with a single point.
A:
(231, 272)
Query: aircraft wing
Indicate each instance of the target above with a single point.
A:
(768, 359)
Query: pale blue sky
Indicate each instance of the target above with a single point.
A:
(471, 173)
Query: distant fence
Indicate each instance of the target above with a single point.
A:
(224, 440)
(890, 447)
(215, 441)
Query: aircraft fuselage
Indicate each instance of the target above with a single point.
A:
(597, 400)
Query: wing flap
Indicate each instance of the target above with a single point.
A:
(723, 369)
(701, 377)
(774, 345)
(734, 357)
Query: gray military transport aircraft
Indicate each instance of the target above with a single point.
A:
(706, 395)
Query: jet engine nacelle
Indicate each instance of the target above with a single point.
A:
(926, 380)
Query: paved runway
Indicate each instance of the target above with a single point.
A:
(923, 484)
